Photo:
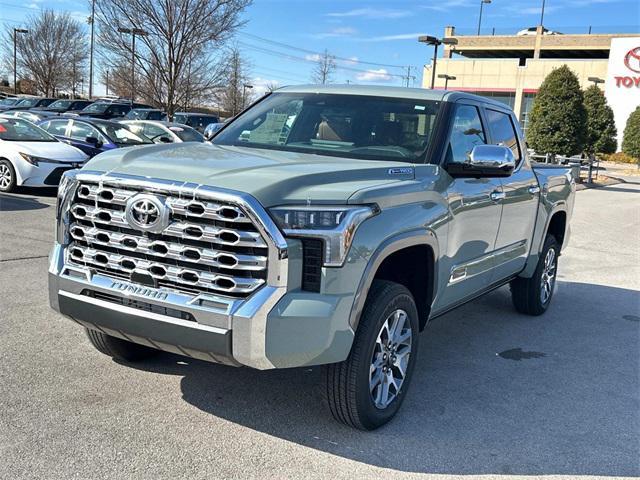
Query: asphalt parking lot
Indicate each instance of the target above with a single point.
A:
(497, 393)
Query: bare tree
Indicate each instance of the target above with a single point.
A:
(175, 58)
(272, 86)
(53, 54)
(325, 67)
(233, 95)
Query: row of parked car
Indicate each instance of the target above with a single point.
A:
(35, 109)
(38, 144)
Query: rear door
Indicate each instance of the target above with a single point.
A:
(474, 211)
(520, 203)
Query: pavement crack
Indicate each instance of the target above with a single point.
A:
(21, 258)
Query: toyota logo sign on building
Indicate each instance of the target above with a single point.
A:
(632, 60)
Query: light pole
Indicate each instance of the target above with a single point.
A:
(133, 32)
(244, 93)
(542, 14)
(16, 31)
(446, 79)
(92, 21)
(107, 83)
(435, 41)
(595, 80)
(482, 2)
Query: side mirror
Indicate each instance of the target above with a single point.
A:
(485, 161)
(165, 140)
(93, 141)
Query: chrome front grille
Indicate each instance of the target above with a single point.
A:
(208, 246)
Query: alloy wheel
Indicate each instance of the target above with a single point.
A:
(390, 359)
(548, 279)
(5, 176)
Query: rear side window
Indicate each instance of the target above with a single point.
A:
(466, 133)
(56, 127)
(503, 132)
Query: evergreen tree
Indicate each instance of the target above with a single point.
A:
(558, 119)
(631, 138)
(601, 128)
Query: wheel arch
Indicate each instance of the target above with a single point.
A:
(16, 170)
(387, 262)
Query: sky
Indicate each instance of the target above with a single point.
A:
(374, 41)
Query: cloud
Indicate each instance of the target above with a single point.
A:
(350, 61)
(391, 38)
(372, 13)
(446, 5)
(380, 75)
(536, 10)
(262, 85)
(336, 32)
(312, 57)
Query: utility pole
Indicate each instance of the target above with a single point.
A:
(16, 31)
(107, 83)
(92, 21)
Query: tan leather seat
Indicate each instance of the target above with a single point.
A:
(335, 131)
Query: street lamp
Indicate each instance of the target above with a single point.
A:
(482, 2)
(16, 31)
(446, 79)
(133, 32)
(595, 80)
(92, 22)
(435, 41)
(244, 93)
(542, 15)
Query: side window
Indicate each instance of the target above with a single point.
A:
(56, 127)
(503, 131)
(80, 131)
(467, 132)
(154, 132)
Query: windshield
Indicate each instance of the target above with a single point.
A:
(187, 134)
(354, 126)
(9, 101)
(18, 130)
(122, 135)
(96, 108)
(60, 104)
(27, 102)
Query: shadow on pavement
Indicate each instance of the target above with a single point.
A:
(14, 203)
(495, 393)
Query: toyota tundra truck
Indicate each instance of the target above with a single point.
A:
(325, 225)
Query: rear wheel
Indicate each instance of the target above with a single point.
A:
(367, 389)
(532, 296)
(117, 348)
(7, 176)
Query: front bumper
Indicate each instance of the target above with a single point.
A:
(274, 328)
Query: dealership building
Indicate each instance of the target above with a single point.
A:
(511, 68)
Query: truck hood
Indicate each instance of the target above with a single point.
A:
(273, 177)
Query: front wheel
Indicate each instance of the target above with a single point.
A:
(119, 349)
(366, 390)
(532, 296)
(8, 179)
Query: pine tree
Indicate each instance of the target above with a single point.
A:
(631, 138)
(558, 119)
(601, 128)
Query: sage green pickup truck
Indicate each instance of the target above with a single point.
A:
(324, 226)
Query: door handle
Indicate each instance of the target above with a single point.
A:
(497, 196)
(533, 189)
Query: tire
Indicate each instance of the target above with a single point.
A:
(8, 181)
(117, 348)
(532, 296)
(347, 384)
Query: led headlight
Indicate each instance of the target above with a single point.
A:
(33, 160)
(66, 189)
(335, 225)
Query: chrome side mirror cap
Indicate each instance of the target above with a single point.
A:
(485, 161)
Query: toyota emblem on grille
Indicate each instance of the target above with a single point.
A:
(147, 212)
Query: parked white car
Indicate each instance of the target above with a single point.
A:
(30, 156)
(532, 31)
(164, 132)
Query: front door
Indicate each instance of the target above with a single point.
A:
(474, 209)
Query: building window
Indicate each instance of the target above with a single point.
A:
(508, 98)
(527, 104)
